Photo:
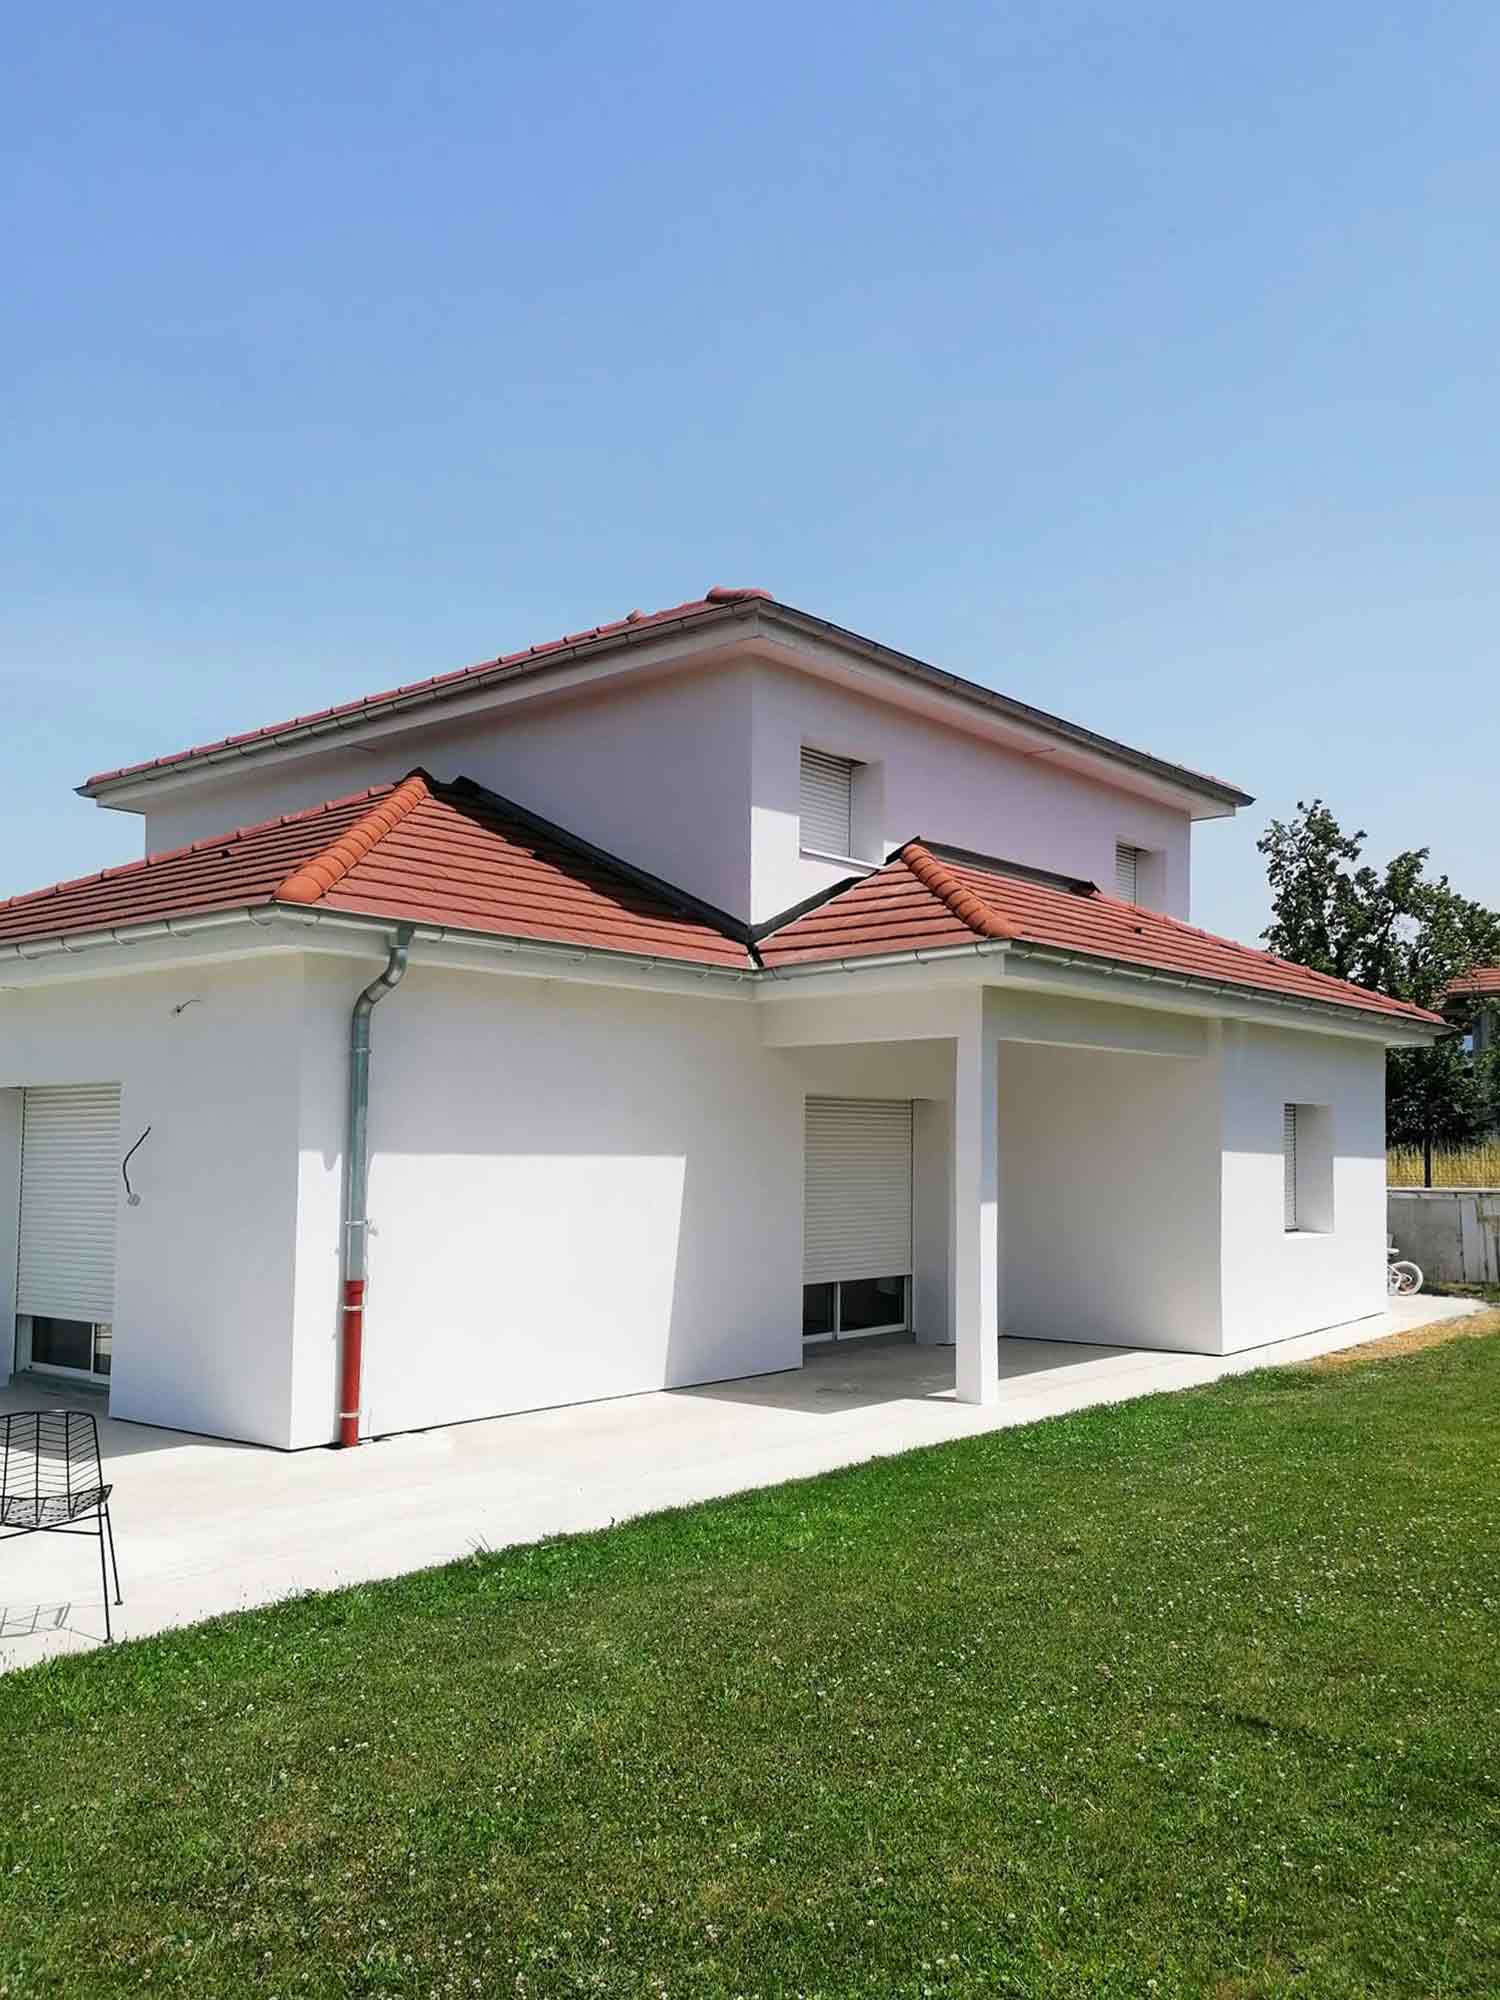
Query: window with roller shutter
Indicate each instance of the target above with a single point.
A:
(857, 1216)
(827, 804)
(70, 1187)
(1127, 872)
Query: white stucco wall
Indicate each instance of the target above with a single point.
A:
(931, 1221)
(1277, 1284)
(1143, 1197)
(204, 1266)
(581, 1191)
(576, 1192)
(1110, 1197)
(655, 771)
(927, 779)
(694, 775)
(330, 988)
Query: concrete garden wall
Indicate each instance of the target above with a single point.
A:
(1453, 1233)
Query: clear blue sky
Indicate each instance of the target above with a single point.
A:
(1143, 361)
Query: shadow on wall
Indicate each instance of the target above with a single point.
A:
(1110, 1209)
(581, 1194)
(578, 1193)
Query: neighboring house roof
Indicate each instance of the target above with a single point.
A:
(719, 605)
(459, 858)
(928, 897)
(1483, 982)
(420, 852)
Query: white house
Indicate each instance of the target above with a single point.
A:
(1473, 1002)
(732, 982)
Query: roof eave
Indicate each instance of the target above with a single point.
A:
(294, 924)
(1396, 1029)
(337, 721)
(1217, 790)
(1430, 1028)
(751, 609)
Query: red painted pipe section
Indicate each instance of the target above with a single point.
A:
(351, 1360)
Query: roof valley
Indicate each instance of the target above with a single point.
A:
(457, 858)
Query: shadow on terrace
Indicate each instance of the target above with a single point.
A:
(888, 1368)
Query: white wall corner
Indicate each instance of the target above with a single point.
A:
(10, 1209)
(1279, 1283)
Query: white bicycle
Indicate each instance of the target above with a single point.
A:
(1402, 1277)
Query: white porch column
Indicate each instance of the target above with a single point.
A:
(976, 1210)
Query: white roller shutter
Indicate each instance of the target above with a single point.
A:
(1289, 1208)
(1127, 872)
(70, 1182)
(857, 1200)
(827, 803)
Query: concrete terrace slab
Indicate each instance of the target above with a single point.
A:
(205, 1527)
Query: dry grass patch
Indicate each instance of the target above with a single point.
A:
(1391, 1346)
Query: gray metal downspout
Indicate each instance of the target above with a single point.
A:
(356, 1219)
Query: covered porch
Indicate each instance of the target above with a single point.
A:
(1065, 1170)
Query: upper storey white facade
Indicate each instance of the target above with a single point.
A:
(736, 747)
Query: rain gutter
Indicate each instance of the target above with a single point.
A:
(267, 915)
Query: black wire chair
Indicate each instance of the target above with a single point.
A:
(52, 1478)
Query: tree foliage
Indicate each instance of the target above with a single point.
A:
(1396, 930)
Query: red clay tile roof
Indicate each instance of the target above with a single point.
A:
(458, 857)
(450, 855)
(232, 871)
(719, 603)
(1484, 979)
(310, 883)
(926, 898)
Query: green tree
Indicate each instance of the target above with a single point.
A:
(1400, 932)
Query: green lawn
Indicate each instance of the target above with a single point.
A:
(1193, 1697)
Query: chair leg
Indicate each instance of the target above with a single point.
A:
(109, 1529)
(103, 1579)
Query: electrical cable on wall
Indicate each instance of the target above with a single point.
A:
(133, 1200)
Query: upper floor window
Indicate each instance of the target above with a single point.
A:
(827, 804)
(1128, 862)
